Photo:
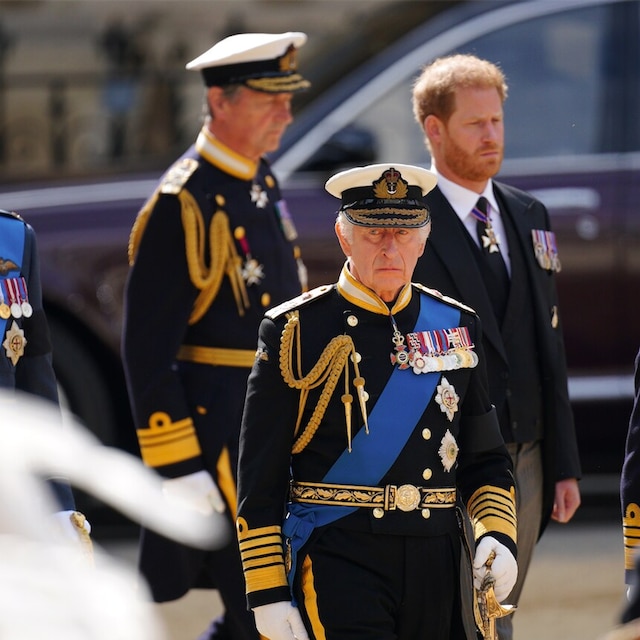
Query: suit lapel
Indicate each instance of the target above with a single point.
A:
(449, 242)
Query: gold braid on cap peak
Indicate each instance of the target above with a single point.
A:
(224, 256)
(333, 360)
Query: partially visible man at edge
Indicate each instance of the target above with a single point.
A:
(210, 251)
(492, 247)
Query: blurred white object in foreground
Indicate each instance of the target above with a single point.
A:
(47, 588)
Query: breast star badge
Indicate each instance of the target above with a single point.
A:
(14, 343)
(448, 451)
(447, 398)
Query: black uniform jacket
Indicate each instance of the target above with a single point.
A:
(32, 370)
(267, 465)
(630, 494)
(183, 291)
(448, 265)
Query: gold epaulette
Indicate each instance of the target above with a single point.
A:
(298, 301)
(166, 442)
(177, 175)
(436, 294)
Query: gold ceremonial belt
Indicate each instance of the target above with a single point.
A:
(406, 497)
(217, 356)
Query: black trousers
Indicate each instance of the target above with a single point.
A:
(355, 585)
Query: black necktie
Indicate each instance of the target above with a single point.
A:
(494, 269)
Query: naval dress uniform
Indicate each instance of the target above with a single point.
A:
(355, 458)
(26, 357)
(210, 252)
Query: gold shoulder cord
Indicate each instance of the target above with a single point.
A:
(333, 360)
(224, 256)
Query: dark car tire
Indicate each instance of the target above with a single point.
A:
(83, 388)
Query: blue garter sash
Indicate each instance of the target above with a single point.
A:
(11, 247)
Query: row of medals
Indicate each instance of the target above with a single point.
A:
(15, 310)
(459, 358)
(14, 291)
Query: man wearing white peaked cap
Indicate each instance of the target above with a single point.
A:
(211, 250)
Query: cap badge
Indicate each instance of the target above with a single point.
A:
(288, 61)
(391, 185)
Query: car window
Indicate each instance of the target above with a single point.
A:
(560, 71)
(555, 71)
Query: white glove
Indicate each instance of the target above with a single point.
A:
(504, 568)
(280, 621)
(69, 530)
(196, 491)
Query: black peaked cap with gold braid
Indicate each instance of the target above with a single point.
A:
(264, 62)
(384, 195)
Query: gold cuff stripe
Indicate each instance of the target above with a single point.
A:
(265, 578)
(632, 515)
(494, 495)
(630, 556)
(493, 509)
(479, 510)
(166, 442)
(631, 533)
(252, 542)
(261, 552)
(245, 533)
(262, 561)
(217, 356)
(496, 524)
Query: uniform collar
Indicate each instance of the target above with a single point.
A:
(355, 292)
(221, 156)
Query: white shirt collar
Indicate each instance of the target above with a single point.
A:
(461, 199)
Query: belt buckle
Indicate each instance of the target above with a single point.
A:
(407, 497)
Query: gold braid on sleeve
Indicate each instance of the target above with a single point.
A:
(224, 258)
(333, 361)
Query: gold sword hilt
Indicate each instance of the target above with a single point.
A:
(486, 607)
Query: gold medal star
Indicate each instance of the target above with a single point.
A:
(14, 343)
(252, 272)
(258, 196)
